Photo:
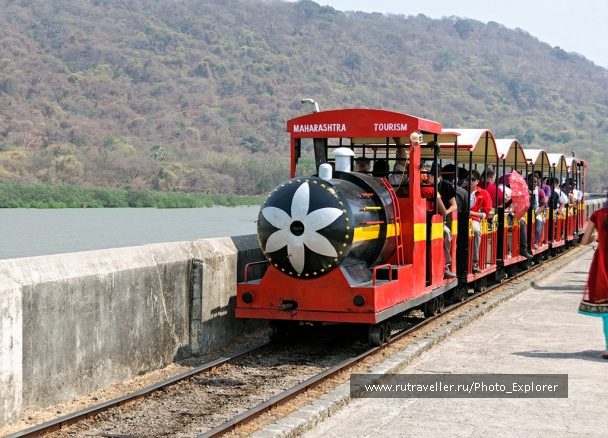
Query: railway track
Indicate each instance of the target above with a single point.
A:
(247, 415)
(314, 381)
(67, 420)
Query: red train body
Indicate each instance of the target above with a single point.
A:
(351, 248)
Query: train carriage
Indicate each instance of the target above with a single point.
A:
(576, 171)
(538, 162)
(476, 148)
(571, 211)
(512, 158)
(581, 173)
(557, 217)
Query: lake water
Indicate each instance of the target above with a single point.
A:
(33, 232)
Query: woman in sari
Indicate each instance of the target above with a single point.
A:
(595, 299)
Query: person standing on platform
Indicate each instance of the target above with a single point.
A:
(595, 298)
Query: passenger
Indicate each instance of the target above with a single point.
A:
(362, 165)
(504, 183)
(539, 209)
(543, 184)
(446, 204)
(567, 190)
(578, 195)
(538, 204)
(487, 182)
(558, 198)
(447, 174)
(480, 206)
(398, 178)
(399, 175)
(427, 191)
(380, 168)
(595, 298)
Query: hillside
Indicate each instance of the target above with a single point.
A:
(193, 95)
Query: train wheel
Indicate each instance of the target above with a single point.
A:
(377, 334)
(388, 330)
(460, 294)
(431, 308)
(480, 285)
(440, 303)
(499, 275)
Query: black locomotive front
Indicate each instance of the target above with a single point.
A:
(310, 225)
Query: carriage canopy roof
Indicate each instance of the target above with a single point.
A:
(539, 159)
(510, 151)
(469, 141)
(363, 126)
(572, 162)
(558, 161)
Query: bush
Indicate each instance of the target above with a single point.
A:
(38, 196)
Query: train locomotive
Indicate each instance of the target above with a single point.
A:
(346, 248)
(349, 247)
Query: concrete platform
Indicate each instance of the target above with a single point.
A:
(537, 331)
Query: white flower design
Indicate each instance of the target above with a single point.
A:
(311, 222)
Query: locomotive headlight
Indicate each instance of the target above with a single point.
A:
(248, 298)
(359, 300)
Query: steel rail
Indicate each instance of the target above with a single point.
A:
(66, 420)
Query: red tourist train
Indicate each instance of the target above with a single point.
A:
(362, 247)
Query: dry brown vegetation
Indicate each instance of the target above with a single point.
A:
(193, 95)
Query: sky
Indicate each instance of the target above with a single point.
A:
(579, 26)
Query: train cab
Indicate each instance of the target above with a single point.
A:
(345, 246)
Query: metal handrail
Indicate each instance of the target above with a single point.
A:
(246, 268)
(390, 272)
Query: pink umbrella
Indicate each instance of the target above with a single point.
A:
(519, 194)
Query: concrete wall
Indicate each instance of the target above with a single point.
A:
(10, 349)
(72, 323)
(213, 296)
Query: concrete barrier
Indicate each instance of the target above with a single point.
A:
(10, 349)
(73, 323)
